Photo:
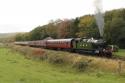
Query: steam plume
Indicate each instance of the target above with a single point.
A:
(99, 16)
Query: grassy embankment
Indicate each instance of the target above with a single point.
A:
(17, 68)
(120, 53)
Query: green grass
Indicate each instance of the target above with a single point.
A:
(15, 68)
(120, 53)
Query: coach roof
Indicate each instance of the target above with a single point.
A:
(60, 40)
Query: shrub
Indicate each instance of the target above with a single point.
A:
(29, 52)
(56, 59)
(81, 64)
(39, 53)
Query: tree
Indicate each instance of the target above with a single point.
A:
(64, 28)
(74, 27)
(115, 31)
(88, 27)
(37, 33)
(51, 29)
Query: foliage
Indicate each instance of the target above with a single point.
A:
(115, 27)
(34, 53)
(84, 26)
(22, 37)
(56, 59)
(38, 33)
(88, 27)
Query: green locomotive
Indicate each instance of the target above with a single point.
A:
(93, 46)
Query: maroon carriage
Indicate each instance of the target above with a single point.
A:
(38, 43)
(59, 43)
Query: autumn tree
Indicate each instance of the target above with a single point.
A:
(88, 27)
(64, 28)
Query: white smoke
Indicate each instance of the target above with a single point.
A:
(99, 16)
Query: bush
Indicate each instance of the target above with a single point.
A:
(56, 59)
(39, 54)
(81, 64)
(29, 52)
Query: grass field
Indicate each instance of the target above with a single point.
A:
(120, 53)
(15, 68)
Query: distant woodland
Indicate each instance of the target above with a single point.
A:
(84, 26)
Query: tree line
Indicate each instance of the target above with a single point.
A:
(84, 26)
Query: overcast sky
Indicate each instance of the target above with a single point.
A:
(24, 15)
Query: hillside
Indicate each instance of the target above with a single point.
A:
(15, 68)
(6, 35)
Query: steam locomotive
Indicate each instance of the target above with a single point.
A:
(81, 45)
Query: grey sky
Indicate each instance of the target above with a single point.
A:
(24, 15)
